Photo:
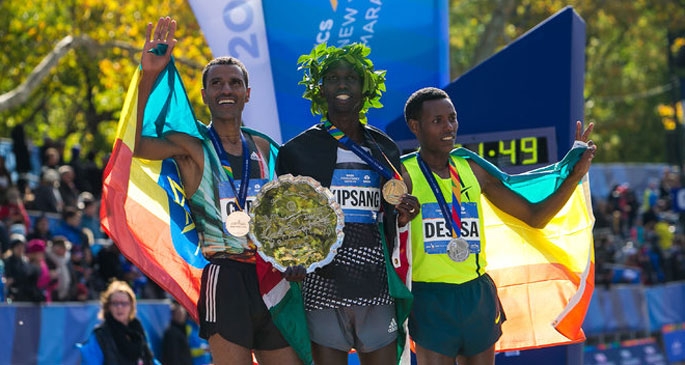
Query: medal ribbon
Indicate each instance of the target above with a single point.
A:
(241, 196)
(361, 152)
(453, 220)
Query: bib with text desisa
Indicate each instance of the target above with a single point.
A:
(437, 235)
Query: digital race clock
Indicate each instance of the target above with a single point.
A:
(514, 151)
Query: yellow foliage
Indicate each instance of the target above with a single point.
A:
(665, 110)
(669, 115)
(677, 44)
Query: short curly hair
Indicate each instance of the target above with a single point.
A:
(414, 105)
(316, 64)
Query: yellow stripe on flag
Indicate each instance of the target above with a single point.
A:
(545, 277)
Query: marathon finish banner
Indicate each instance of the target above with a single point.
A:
(408, 38)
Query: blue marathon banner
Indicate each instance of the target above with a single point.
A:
(674, 342)
(633, 352)
(408, 38)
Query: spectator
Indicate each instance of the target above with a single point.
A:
(651, 195)
(21, 277)
(58, 259)
(82, 263)
(175, 344)
(12, 209)
(651, 257)
(46, 197)
(67, 186)
(605, 253)
(108, 265)
(624, 207)
(52, 158)
(669, 181)
(70, 227)
(134, 277)
(120, 338)
(90, 218)
(46, 279)
(603, 217)
(41, 229)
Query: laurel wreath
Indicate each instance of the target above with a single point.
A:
(316, 63)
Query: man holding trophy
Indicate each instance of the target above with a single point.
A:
(351, 302)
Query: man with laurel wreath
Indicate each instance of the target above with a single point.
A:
(357, 301)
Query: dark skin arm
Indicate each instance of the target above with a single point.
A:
(409, 205)
(295, 273)
(537, 215)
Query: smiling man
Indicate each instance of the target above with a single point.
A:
(349, 303)
(457, 314)
(221, 174)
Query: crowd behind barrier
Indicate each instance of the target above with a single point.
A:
(48, 333)
(627, 311)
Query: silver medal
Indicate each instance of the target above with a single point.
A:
(458, 249)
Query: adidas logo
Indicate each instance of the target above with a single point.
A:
(393, 326)
(254, 156)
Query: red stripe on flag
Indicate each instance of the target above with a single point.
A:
(532, 297)
(150, 249)
(268, 276)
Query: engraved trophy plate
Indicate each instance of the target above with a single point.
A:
(393, 190)
(296, 221)
(458, 249)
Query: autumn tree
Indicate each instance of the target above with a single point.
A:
(627, 73)
(66, 65)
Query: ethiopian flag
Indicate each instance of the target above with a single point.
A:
(146, 213)
(144, 208)
(544, 277)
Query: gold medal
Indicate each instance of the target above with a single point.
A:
(393, 191)
(458, 249)
(238, 223)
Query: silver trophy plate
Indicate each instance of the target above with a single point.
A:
(296, 221)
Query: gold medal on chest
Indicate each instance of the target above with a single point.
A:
(393, 190)
(238, 223)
